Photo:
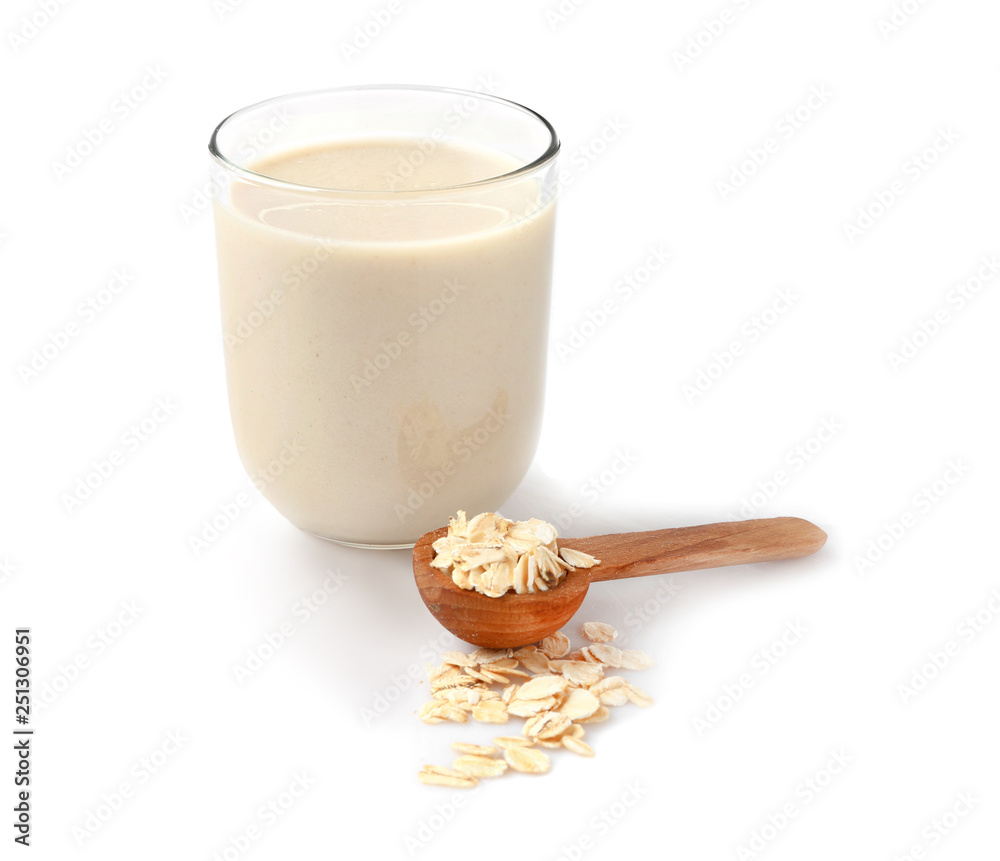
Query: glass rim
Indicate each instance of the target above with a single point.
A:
(551, 151)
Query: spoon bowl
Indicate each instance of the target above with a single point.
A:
(517, 620)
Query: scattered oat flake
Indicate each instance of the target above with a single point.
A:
(529, 708)
(546, 725)
(614, 697)
(488, 656)
(638, 696)
(435, 775)
(436, 711)
(517, 674)
(436, 672)
(490, 711)
(608, 683)
(442, 769)
(533, 659)
(599, 632)
(541, 686)
(579, 703)
(610, 656)
(635, 659)
(582, 673)
(461, 696)
(452, 680)
(602, 714)
(429, 712)
(442, 675)
(473, 749)
(506, 742)
(527, 760)
(474, 765)
(458, 659)
(555, 645)
(577, 746)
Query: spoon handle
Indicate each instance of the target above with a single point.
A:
(688, 548)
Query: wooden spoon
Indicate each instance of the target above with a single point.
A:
(517, 620)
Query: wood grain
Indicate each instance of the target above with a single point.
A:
(690, 548)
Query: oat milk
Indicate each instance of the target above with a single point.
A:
(385, 350)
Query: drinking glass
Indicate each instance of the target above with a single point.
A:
(385, 321)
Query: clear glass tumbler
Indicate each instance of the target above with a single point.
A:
(385, 258)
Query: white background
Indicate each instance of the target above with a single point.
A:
(910, 462)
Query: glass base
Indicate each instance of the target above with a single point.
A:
(362, 546)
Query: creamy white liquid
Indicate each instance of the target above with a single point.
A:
(385, 359)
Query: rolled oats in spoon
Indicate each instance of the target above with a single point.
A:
(493, 555)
